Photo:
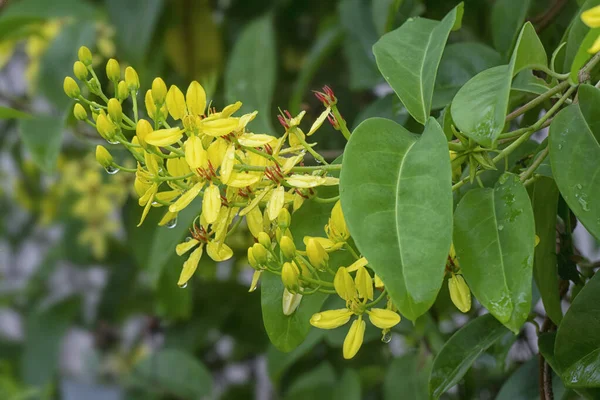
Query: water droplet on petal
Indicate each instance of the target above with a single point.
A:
(183, 286)
(111, 169)
(187, 239)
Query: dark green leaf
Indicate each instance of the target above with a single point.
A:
(507, 19)
(278, 362)
(408, 59)
(461, 351)
(317, 384)
(494, 238)
(42, 137)
(396, 195)
(407, 375)
(11, 113)
(523, 384)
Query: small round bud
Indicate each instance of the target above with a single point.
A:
(142, 129)
(80, 70)
(287, 247)
(79, 112)
(159, 90)
(113, 70)
(289, 277)
(251, 259)
(264, 239)
(105, 128)
(317, 255)
(132, 79)
(103, 156)
(85, 55)
(115, 110)
(71, 88)
(284, 219)
(122, 91)
(260, 253)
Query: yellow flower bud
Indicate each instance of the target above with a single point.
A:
(331, 319)
(195, 98)
(591, 17)
(211, 203)
(195, 155)
(287, 247)
(71, 87)
(79, 112)
(337, 229)
(115, 110)
(80, 70)
(317, 255)
(251, 260)
(85, 55)
(264, 239)
(284, 219)
(132, 79)
(113, 70)
(364, 284)
(290, 302)
(255, 278)
(122, 91)
(459, 293)
(175, 103)
(382, 318)
(254, 220)
(103, 156)
(344, 284)
(260, 253)
(142, 130)
(289, 277)
(354, 338)
(105, 127)
(159, 90)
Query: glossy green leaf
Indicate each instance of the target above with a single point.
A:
(11, 113)
(508, 17)
(574, 154)
(42, 137)
(494, 235)
(397, 199)
(409, 56)
(583, 55)
(251, 72)
(407, 375)
(578, 339)
(544, 200)
(174, 372)
(524, 385)
(461, 351)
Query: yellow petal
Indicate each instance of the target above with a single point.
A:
(378, 282)
(186, 246)
(255, 140)
(195, 98)
(344, 284)
(150, 106)
(245, 119)
(167, 195)
(219, 127)
(276, 202)
(189, 266)
(242, 179)
(218, 251)
(354, 338)
(211, 203)
(331, 319)
(319, 121)
(254, 203)
(254, 220)
(216, 152)
(361, 262)
(227, 164)
(327, 244)
(164, 137)
(383, 319)
(255, 278)
(290, 302)
(177, 166)
(591, 17)
(305, 181)
(175, 102)
(195, 155)
(364, 284)
(186, 198)
(142, 129)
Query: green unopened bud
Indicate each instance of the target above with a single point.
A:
(284, 219)
(317, 255)
(289, 277)
(94, 86)
(287, 247)
(260, 253)
(122, 91)
(264, 239)
(159, 91)
(85, 55)
(113, 70)
(71, 88)
(103, 156)
(115, 110)
(132, 79)
(79, 112)
(80, 70)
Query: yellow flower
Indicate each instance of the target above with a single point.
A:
(336, 230)
(186, 198)
(276, 202)
(591, 18)
(459, 293)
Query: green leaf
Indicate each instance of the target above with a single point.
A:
(408, 59)
(318, 383)
(278, 362)
(576, 35)
(461, 62)
(348, 388)
(251, 70)
(42, 137)
(526, 82)
(583, 55)
(461, 351)
(494, 238)
(407, 375)
(507, 19)
(174, 372)
(135, 22)
(523, 384)
(397, 199)
(385, 107)
(544, 201)
(578, 339)
(11, 113)
(574, 154)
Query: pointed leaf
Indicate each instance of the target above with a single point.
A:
(494, 236)
(397, 199)
(407, 375)
(11, 113)
(42, 137)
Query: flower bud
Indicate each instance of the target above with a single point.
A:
(113, 70)
(317, 255)
(132, 79)
(122, 91)
(459, 293)
(290, 302)
(354, 338)
(85, 55)
(115, 110)
(260, 253)
(80, 70)
(159, 90)
(331, 319)
(284, 219)
(287, 247)
(264, 239)
(71, 88)
(143, 129)
(105, 128)
(79, 112)
(289, 277)
(382, 318)
(103, 156)
(251, 259)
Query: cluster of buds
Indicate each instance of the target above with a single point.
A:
(460, 294)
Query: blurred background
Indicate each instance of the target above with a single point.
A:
(89, 306)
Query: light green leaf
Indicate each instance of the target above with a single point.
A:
(544, 200)
(461, 351)
(317, 384)
(251, 72)
(507, 19)
(397, 199)
(11, 113)
(408, 59)
(42, 137)
(494, 239)
(574, 154)
(407, 375)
